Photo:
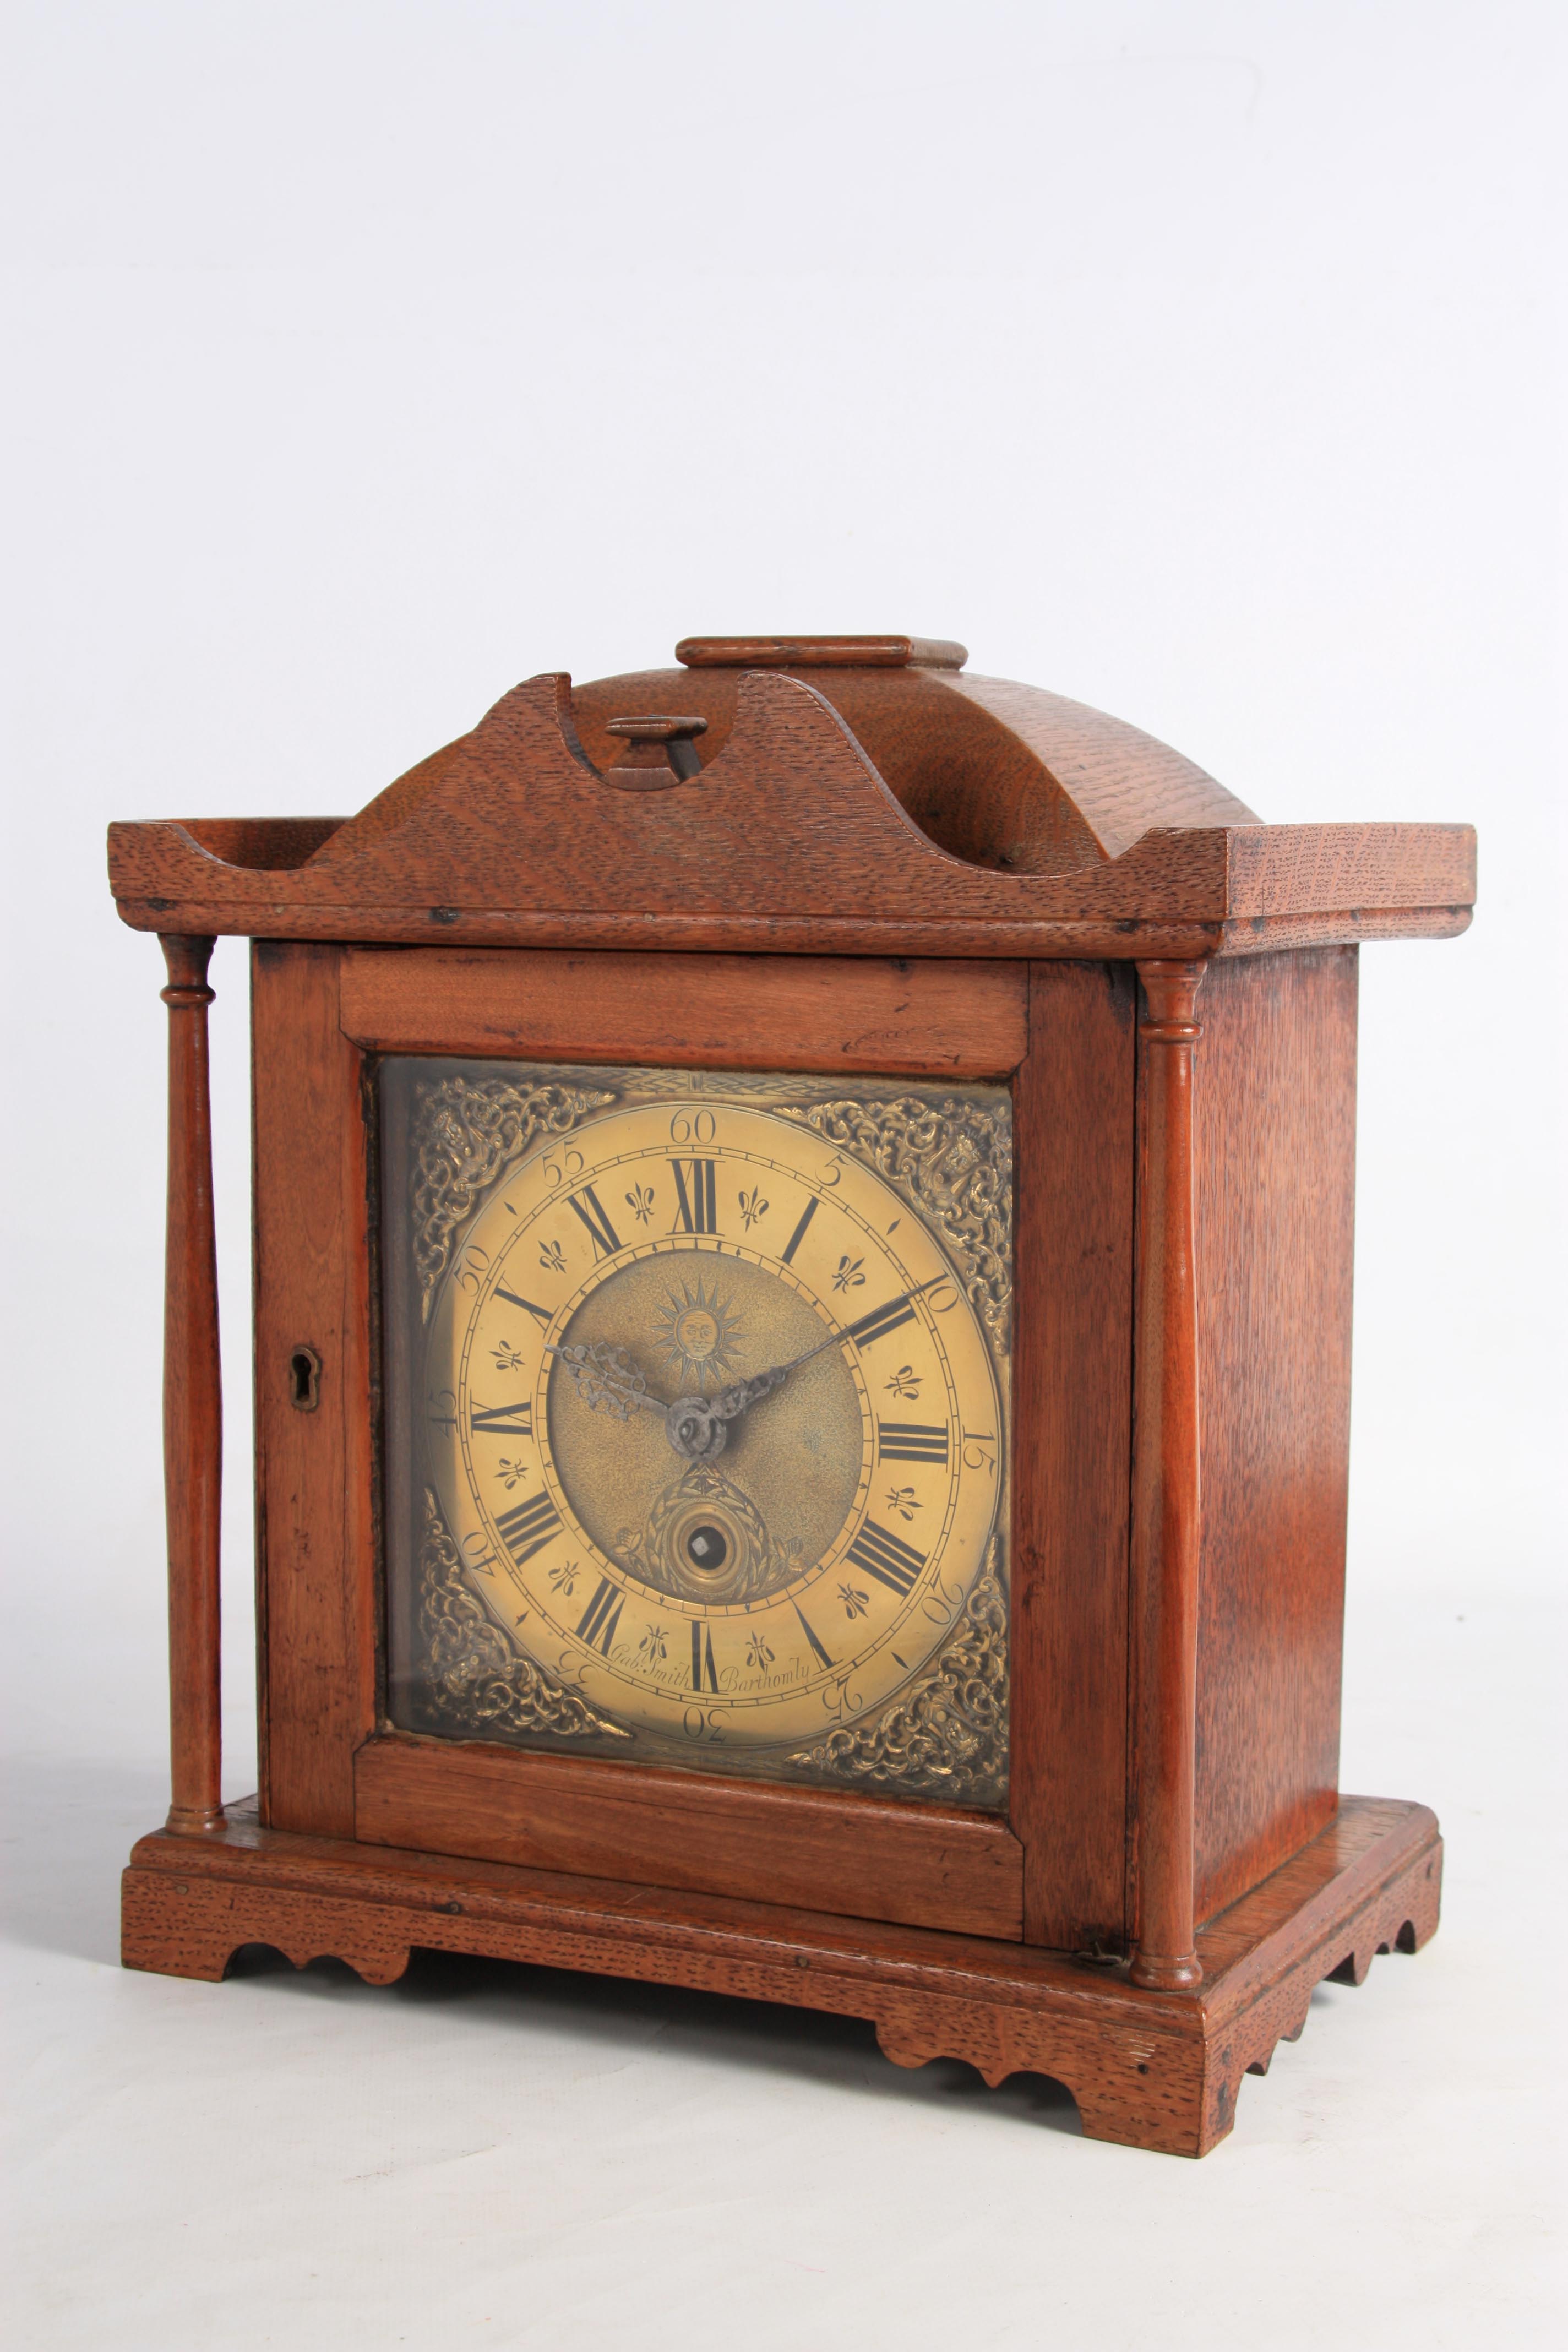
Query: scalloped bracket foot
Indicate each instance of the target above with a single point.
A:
(1151, 2069)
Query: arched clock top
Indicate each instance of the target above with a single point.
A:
(834, 794)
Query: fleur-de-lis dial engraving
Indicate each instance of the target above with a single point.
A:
(705, 1388)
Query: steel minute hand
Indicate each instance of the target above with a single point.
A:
(731, 1401)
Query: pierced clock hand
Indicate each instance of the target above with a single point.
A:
(731, 1403)
(608, 1382)
(697, 1427)
(605, 1378)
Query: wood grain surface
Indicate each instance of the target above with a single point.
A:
(1151, 2069)
(315, 1481)
(1276, 1172)
(1167, 1484)
(1073, 1111)
(193, 1403)
(791, 840)
(880, 1858)
(967, 1020)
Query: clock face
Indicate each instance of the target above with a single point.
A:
(713, 1432)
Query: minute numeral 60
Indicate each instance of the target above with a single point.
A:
(693, 1127)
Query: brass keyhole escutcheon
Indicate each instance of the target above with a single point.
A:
(304, 1380)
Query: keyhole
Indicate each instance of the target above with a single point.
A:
(304, 1380)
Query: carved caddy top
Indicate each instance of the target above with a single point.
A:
(885, 809)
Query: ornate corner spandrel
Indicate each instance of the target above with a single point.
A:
(946, 1735)
(473, 1680)
(466, 1133)
(951, 1159)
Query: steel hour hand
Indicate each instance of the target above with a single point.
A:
(605, 1378)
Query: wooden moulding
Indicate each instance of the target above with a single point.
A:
(966, 1020)
(927, 1865)
(1148, 2067)
(1165, 1488)
(316, 1548)
(790, 841)
(193, 1403)
(1073, 1111)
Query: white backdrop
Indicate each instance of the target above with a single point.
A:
(1195, 360)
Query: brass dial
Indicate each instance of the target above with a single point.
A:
(713, 1423)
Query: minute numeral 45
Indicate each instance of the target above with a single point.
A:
(912, 1441)
(502, 1420)
(529, 1527)
(601, 1232)
(889, 1558)
(696, 1194)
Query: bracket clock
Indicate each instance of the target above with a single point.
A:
(803, 1217)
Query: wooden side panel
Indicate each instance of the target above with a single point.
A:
(777, 1012)
(923, 1865)
(1072, 1404)
(1275, 1145)
(316, 1506)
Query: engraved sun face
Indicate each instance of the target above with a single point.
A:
(699, 1333)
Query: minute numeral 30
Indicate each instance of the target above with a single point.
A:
(696, 1194)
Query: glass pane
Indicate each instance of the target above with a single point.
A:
(697, 1412)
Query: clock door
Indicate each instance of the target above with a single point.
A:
(697, 1403)
(696, 1495)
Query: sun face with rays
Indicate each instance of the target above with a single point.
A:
(699, 1333)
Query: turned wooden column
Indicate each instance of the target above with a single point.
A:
(1166, 1505)
(193, 1402)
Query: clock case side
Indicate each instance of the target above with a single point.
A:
(1274, 1145)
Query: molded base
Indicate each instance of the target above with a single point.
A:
(1151, 2069)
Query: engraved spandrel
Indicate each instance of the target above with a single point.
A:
(473, 1678)
(946, 1735)
(467, 1132)
(952, 1159)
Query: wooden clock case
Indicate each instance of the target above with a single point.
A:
(833, 855)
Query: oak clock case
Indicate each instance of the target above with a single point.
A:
(697, 1419)
(803, 1216)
